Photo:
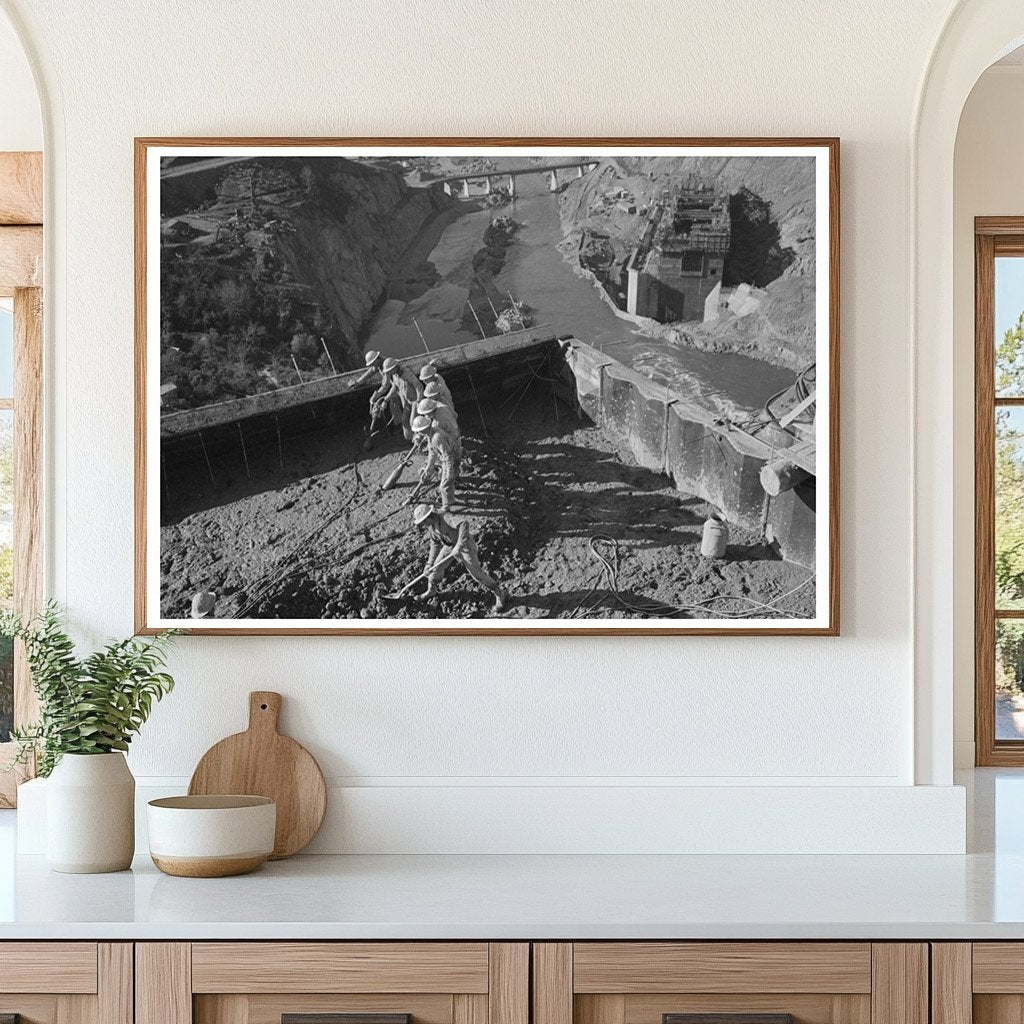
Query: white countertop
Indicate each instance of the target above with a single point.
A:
(977, 896)
(497, 897)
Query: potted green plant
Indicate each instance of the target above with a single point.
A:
(90, 708)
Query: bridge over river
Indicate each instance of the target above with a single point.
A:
(453, 184)
(462, 181)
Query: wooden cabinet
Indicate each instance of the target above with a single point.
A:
(66, 982)
(655, 982)
(494, 983)
(978, 983)
(306, 982)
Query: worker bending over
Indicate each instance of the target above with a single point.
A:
(428, 376)
(450, 544)
(443, 455)
(400, 390)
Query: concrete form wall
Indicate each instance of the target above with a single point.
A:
(669, 435)
(480, 371)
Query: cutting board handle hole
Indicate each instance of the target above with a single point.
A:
(263, 707)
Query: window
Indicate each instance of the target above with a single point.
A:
(21, 366)
(6, 512)
(692, 262)
(999, 490)
(20, 501)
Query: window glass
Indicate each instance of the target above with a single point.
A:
(1009, 327)
(1009, 496)
(1009, 510)
(1009, 679)
(6, 353)
(6, 567)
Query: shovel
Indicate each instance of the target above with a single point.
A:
(400, 595)
(418, 490)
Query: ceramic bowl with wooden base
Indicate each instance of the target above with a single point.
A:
(211, 836)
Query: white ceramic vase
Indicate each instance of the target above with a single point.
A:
(90, 814)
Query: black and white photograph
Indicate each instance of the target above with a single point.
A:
(565, 386)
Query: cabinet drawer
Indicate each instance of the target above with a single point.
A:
(730, 983)
(332, 983)
(998, 967)
(64, 967)
(340, 967)
(66, 982)
(634, 967)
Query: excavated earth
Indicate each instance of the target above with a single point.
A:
(545, 493)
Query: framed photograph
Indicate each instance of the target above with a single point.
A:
(443, 386)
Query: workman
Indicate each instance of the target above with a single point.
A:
(437, 392)
(429, 375)
(444, 455)
(420, 443)
(443, 417)
(401, 391)
(373, 358)
(380, 400)
(450, 544)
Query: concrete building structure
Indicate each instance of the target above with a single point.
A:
(713, 304)
(681, 258)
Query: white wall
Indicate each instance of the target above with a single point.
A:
(21, 126)
(987, 181)
(436, 712)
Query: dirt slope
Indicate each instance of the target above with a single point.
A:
(546, 496)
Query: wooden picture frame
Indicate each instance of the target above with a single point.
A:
(820, 505)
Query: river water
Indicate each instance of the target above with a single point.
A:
(536, 274)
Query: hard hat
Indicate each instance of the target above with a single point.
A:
(422, 423)
(390, 364)
(432, 390)
(428, 371)
(203, 603)
(426, 406)
(373, 356)
(421, 513)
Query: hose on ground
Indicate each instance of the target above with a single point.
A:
(607, 578)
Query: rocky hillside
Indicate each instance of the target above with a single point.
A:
(272, 263)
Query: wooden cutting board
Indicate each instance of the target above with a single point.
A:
(262, 762)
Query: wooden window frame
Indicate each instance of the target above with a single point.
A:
(993, 236)
(21, 272)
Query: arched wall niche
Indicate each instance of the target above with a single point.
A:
(21, 122)
(976, 33)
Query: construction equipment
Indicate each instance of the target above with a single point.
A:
(397, 471)
(375, 425)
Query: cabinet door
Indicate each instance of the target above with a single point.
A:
(65, 983)
(980, 982)
(332, 983)
(730, 983)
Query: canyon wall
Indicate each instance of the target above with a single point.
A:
(273, 259)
